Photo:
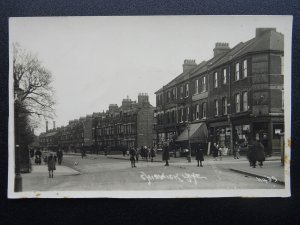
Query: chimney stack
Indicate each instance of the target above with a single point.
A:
(53, 124)
(189, 64)
(260, 31)
(143, 98)
(46, 126)
(221, 47)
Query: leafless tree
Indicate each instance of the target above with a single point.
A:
(37, 95)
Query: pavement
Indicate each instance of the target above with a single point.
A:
(272, 171)
(113, 172)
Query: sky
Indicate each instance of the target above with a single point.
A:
(97, 61)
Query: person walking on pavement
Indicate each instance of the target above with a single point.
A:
(38, 157)
(199, 155)
(152, 153)
(215, 151)
(132, 153)
(51, 165)
(59, 156)
(166, 155)
(220, 153)
(256, 154)
(137, 155)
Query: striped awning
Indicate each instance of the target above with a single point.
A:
(197, 131)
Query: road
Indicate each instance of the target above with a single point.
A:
(96, 173)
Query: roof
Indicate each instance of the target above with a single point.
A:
(49, 134)
(268, 40)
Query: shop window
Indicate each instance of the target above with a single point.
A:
(237, 103)
(237, 71)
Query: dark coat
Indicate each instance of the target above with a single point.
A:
(152, 152)
(259, 151)
(199, 154)
(132, 153)
(59, 154)
(166, 155)
(215, 151)
(256, 152)
(51, 163)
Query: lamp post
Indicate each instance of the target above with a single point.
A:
(17, 103)
(189, 141)
(231, 129)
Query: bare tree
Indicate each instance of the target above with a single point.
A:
(37, 95)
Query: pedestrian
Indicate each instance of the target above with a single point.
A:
(166, 155)
(38, 157)
(137, 155)
(220, 153)
(199, 155)
(257, 153)
(146, 153)
(215, 151)
(31, 153)
(237, 152)
(152, 153)
(51, 165)
(59, 156)
(132, 153)
(83, 152)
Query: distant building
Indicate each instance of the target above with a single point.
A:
(237, 95)
(130, 125)
(74, 136)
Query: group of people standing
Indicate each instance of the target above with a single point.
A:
(144, 152)
(199, 155)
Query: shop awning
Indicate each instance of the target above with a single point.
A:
(198, 133)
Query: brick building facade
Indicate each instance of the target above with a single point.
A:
(130, 125)
(237, 95)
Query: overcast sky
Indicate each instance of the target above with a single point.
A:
(96, 61)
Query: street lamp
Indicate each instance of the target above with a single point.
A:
(189, 141)
(18, 178)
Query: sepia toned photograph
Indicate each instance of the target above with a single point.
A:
(149, 106)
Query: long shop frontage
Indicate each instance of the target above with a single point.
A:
(246, 129)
